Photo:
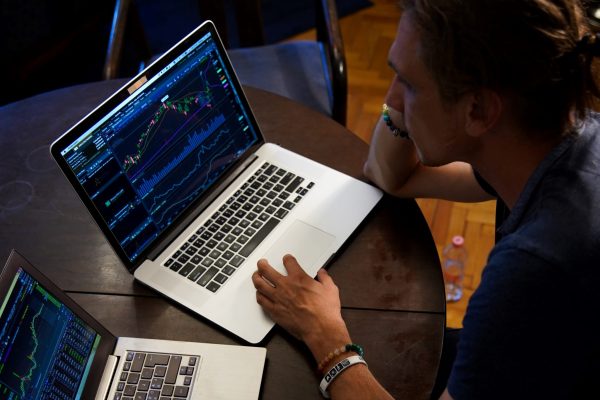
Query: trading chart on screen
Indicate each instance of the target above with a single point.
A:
(45, 350)
(150, 160)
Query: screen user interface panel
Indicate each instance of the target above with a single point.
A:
(162, 148)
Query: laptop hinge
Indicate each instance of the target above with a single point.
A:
(163, 244)
(107, 377)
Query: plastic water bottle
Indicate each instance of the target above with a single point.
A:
(454, 258)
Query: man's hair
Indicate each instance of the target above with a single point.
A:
(535, 51)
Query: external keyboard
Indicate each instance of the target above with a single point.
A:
(156, 376)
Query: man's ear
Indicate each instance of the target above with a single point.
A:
(483, 110)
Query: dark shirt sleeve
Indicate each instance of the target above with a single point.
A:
(512, 344)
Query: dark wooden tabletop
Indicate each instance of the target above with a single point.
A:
(388, 274)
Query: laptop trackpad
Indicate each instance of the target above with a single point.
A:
(305, 242)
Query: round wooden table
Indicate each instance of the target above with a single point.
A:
(389, 275)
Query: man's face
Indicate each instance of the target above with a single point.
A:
(435, 128)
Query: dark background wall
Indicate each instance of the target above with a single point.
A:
(41, 41)
(51, 44)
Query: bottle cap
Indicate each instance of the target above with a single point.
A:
(458, 240)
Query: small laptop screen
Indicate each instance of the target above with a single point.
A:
(157, 152)
(46, 351)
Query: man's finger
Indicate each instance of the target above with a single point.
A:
(262, 285)
(291, 265)
(264, 302)
(269, 273)
(324, 277)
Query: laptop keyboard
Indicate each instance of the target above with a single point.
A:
(156, 376)
(214, 252)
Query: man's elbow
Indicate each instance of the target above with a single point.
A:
(368, 171)
(374, 174)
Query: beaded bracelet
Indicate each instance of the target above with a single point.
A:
(336, 370)
(341, 350)
(385, 112)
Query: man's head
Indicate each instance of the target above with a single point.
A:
(529, 51)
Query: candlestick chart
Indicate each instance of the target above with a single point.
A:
(178, 145)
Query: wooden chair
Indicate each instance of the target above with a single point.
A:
(310, 72)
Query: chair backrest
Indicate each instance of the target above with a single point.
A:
(248, 20)
(250, 32)
(240, 24)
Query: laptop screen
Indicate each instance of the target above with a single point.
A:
(46, 351)
(158, 151)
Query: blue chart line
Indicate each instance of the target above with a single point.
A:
(198, 164)
(193, 142)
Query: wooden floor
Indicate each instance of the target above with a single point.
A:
(367, 37)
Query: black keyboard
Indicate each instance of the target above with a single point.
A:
(214, 252)
(156, 376)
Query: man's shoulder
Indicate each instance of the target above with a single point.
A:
(561, 237)
(562, 220)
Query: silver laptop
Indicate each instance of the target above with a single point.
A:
(52, 349)
(175, 171)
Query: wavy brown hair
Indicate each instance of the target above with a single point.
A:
(538, 52)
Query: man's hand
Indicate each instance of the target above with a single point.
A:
(309, 309)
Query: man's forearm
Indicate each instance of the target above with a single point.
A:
(357, 382)
(391, 159)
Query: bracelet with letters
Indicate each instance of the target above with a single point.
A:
(336, 370)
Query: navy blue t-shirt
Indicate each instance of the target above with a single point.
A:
(531, 329)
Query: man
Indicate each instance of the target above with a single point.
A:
(494, 96)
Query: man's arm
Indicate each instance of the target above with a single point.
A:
(311, 311)
(393, 166)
